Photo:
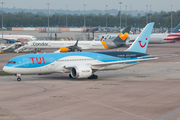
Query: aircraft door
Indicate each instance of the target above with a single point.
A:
(99, 58)
(25, 62)
(52, 61)
(94, 45)
(127, 56)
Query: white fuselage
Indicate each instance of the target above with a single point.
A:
(18, 37)
(58, 44)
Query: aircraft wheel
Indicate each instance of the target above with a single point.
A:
(18, 79)
(70, 76)
(95, 77)
(90, 77)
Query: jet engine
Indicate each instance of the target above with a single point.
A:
(65, 49)
(70, 49)
(11, 40)
(81, 71)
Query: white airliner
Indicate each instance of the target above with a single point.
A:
(16, 38)
(82, 64)
(68, 46)
(154, 38)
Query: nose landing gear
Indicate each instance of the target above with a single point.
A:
(19, 77)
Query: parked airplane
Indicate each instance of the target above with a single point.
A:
(82, 64)
(154, 38)
(16, 38)
(68, 46)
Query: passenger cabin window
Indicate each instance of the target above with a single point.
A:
(13, 62)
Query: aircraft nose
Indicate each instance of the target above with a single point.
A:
(5, 69)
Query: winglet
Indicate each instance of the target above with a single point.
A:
(141, 42)
(76, 43)
(122, 37)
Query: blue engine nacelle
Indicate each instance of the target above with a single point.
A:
(11, 40)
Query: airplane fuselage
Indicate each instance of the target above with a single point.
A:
(82, 44)
(56, 62)
(13, 38)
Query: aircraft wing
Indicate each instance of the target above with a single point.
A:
(120, 62)
(159, 56)
(8, 38)
(103, 64)
(152, 56)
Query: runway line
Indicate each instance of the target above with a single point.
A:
(167, 114)
(106, 105)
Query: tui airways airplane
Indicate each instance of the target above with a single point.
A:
(82, 64)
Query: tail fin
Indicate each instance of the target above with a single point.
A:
(123, 35)
(177, 29)
(141, 42)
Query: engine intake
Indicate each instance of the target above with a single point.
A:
(81, 71)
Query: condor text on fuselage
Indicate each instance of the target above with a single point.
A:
(39, 44)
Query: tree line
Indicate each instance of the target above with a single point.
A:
(21, 19)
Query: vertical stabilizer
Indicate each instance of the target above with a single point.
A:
(122, 37)
(177, 29)
(141, 42)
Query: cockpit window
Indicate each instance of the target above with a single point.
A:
(13, 62)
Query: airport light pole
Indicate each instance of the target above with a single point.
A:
(146, 14)
(171, 18)
(150, 14)
(48, 19)
(2, 26)
(84, 17)
(120, 13)
(106, 18)
(126, 15)
(66, 16)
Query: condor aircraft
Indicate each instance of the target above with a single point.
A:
(17, 38)
(155, 38)
(69, 46)
(82, 64)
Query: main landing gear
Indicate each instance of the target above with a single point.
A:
(19, 77)
(70, 76)
(93, 77)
